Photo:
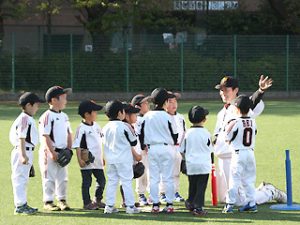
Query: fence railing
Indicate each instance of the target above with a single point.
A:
(124, 62)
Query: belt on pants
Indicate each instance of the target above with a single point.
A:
(156, 144)
(27, 148)
(238, 150)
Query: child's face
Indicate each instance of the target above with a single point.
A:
(32, 109)
(121, 115)
(61, 102)
(172, 107)
(91, 116)
(144, 107)
(131, 118)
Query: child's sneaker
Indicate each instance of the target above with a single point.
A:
(62, 204)
(132, 210)
(110, 209)
(155, 209)
(163, 198)
(189, 206)
(50, 206)
(25, 210)
(199, 212)
(100, 204)
(248, 208)
(91, 206)
(168, 209)
(178, 198)
(228, 208)
(143, 200)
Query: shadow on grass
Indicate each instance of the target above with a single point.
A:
(181, 215)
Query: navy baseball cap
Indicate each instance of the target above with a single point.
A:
(139, 99)
(243, 102)
(88, 106)
(129, 108)
(29, 97)
(197, 114)
(56, 91)
(228, 81)
(160, 95)
(113, 107)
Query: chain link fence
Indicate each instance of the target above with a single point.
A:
(126, 62)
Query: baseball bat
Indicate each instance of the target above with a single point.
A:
(214, 195)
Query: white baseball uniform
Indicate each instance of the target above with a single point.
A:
(54, 177)
(178, 120)
(118, 139)
(23, 127)
(241, 137)
(160, 134)
(142, 183)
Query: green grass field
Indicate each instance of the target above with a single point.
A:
(278, 129)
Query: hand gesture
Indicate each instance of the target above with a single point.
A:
(265, 82)
(24, 159)
(81, 163)
(53, 155)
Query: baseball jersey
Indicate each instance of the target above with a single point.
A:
(180, 126)
(57, 126)
(89, 137)
(137, 128)
(241, 133)
(24, 127)
(118, 138)
(158, 128)
(197, 147)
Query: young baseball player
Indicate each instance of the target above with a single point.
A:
(140, 101)
(23, 136)
(55, 135)
(130, 120)
(88, 136)
(240, 133)
(197, 149)
(229, 89)
(160, 135)
(180, 125)
(118, 141)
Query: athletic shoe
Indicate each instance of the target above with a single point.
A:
(100, 204)
(110, 209)
(228, 208)
(178, 198)
(163, 198)
(25, 210)
(62, 204)
(277, 194)
(91, 206)
(168, 209)
(248, 208)
(155, 209)
(199, 212)
(143, 200)
(50, 206)
(149, 200)
(132, 210)
(188, 206)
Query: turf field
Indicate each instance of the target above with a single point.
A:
(278, 129)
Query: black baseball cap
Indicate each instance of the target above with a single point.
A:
(160, 95)
(29, 97)
(88, 106)
(129, 108)
(174, 94)
(228, 81)
(113, 107)
(139, 99)
(56, 91)
(197, 114)
(243, 102)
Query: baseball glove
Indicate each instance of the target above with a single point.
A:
(64, 157)
(87, 156)
(183, 167)
(138, 170)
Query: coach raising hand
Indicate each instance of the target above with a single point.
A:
(229, 89)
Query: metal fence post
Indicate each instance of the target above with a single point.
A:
(181, 66)
(71, 62)
(127, 61)
(13, 58)
(234, 55)
(287, 61)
